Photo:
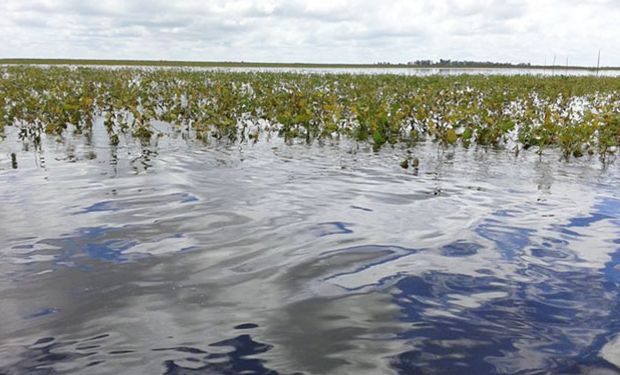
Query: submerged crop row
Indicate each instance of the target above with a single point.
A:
(577, 114)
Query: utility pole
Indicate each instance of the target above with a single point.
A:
(598, 62)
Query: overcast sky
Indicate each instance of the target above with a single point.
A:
(349, 31)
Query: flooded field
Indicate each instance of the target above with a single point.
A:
(413, 71)
(290, 252)
(275, 258)
(355, 70)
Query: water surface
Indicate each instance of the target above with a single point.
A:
(180, 258)
(378, 70)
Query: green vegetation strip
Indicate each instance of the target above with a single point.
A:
(579, 115)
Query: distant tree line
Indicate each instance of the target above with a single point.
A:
(460, 63)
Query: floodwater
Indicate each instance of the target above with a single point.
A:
(379, 70)
(182, 258)
(416, 71)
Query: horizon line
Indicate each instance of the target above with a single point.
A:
(242, 63)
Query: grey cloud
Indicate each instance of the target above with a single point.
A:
(311, 30)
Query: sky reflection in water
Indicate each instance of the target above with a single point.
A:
(183, 258)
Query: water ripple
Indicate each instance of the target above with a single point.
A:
(282, 259)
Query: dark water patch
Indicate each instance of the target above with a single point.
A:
(99, 337)
(460, 249)
(547, 253)
(121, 352)
(182, 349)
(42, 357)
(41, 313)
(238, 360)
(102, 206)
(92, 243)
(510, 241)
(586, 221)
(476, 331)
(361, 208)
(328, 229)
(246, 326)
(119, 204)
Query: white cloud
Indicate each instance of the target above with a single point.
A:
(313, 31)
